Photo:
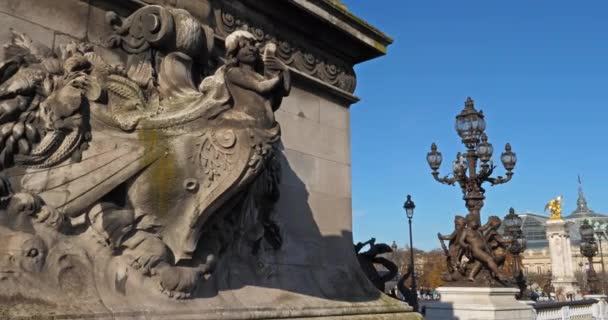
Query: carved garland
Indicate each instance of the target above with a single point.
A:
(333, 73)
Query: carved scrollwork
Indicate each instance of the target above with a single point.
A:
(148, 27)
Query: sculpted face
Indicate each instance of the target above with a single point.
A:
(459, 222)
(248, 52)
(21, 253)
(472, 222)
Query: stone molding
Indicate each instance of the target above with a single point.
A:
(395, 311)
(312, 66)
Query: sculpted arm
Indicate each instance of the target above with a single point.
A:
(485, 227)
(451, 236)
(248, 82)
(462, 240)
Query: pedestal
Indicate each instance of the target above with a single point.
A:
(478, 303)
(562, 269)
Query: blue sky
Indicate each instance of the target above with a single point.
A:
(539, 71)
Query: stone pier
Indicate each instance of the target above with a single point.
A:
(562, 268)
(149, 178)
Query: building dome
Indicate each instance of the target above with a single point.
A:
(534, 224)
(582, 210)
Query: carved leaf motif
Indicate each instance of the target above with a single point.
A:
(126, 90)
(141, 72)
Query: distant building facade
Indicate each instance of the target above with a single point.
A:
(537, 258)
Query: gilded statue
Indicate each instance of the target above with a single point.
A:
(555, 207)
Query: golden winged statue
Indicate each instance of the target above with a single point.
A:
(555, 206)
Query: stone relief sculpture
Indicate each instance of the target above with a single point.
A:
(138, 174)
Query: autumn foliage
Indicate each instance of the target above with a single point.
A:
(429, 266)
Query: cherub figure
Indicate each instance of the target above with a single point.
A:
(473, 241)
(256, 96)
(454, 252)
(555, 207)
(496, 242)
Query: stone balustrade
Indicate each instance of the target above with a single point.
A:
(571, 310)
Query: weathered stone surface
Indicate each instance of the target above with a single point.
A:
(318, 174)
(66, 16)
(561, 253)
(315, 139)
(201, 9)
(303, 104)
(467, 303)
(334, 115)
(35, 31)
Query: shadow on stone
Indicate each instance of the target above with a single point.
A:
(309, 262)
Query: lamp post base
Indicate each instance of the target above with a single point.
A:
(465, 303)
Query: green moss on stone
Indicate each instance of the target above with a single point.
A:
(337, 4)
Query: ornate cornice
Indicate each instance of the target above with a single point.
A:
(326, 69)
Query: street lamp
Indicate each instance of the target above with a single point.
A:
(518, 244)
(599, 234)
(409, 207)
(471, 170)
(588, 249)
(470, 126)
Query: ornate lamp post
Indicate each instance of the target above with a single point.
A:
(470, 125)
(471, 170)
(409, 212)
(599, 234)
(589, 249)
(518, 244)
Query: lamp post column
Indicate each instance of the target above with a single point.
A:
(409, 211)
(412, 258)
(603, 268)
